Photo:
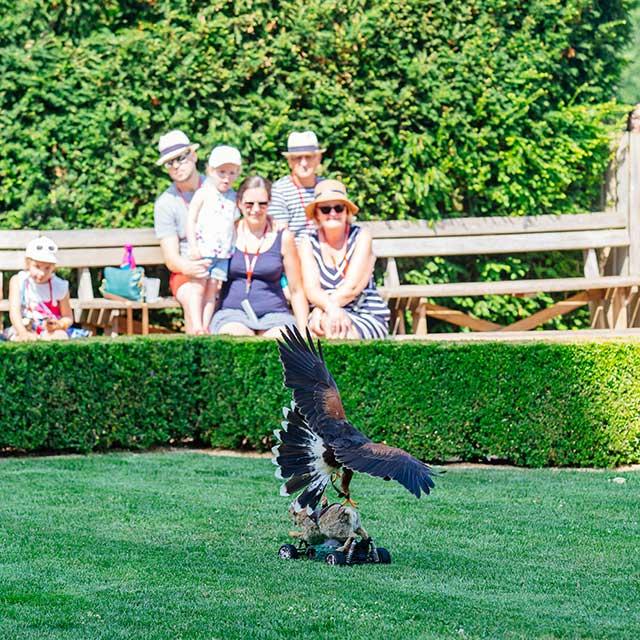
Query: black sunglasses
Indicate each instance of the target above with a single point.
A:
(176, 162)
(338, 208)
(260, 204)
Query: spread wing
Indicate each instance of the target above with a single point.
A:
(389, 463)
(305, 373)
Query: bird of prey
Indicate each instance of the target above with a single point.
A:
(318, 444)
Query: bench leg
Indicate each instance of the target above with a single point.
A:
(616, 303)
(145, 320)
(129, 321)
(115, 323)
(420, 320)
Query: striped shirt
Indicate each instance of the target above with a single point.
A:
(287, 204)
(369, 313)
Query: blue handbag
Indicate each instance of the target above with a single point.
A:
(124, 281)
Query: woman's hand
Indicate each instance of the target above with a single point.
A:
(337, 322)
(315, 322)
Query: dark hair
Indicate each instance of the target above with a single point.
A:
(253, 182)
(630, 115)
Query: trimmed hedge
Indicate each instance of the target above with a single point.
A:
(531, 404)
(427, 108)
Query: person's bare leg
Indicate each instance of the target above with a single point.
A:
(274, 332)
(235, 329)
(58, 334)
(209, 304)
(189, 295)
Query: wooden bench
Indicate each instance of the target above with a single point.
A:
(85, 250)
(609, 240)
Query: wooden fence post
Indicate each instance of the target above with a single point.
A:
(633, 212)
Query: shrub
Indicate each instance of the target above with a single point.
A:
(530, 404)
(428, 108)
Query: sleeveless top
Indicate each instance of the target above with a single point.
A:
(265, 294)
(41, 301)
(369, 301)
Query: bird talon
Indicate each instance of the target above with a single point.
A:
(349, 502)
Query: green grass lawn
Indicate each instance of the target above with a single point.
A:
(184, 545)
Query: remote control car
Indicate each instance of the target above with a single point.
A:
(359, 552)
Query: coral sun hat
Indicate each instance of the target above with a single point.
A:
(330, 191)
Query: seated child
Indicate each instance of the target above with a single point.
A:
(39, 306)
(211, 227)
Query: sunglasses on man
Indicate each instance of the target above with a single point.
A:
(338, 208)
(176, 162)
(250, 205)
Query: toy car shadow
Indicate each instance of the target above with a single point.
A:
(360, 552)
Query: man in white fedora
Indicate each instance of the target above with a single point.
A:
(178, 156)
(293, 192)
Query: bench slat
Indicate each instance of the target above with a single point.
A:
(516, 243)
(494, 225)
(103, 303)
(80, 238)
(507, 287)
(95, 257)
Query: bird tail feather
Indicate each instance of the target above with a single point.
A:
(299, 458)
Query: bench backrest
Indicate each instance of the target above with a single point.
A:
(394, 238)
(83, 247)
(472, 236)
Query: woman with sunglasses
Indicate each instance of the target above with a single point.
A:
(337, 268)
(252, 301)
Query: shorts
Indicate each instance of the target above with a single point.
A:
(219, 268)
(267, 321)
(176, 280)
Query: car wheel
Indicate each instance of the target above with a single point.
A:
(288, 552)
(335, 557)
(384, 557)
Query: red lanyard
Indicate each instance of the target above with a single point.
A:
(181, 194)
(299, 190)
(250, 265)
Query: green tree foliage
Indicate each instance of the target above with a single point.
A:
(428, 108)
(629, 86)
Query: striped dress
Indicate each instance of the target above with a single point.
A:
(368, 312)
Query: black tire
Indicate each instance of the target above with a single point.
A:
(288, 552)
(311, 553)
(384, 557)
(335, 558)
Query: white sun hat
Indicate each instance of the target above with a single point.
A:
(172, 145)
(224, 154)
(42, 249)
(300, 142)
